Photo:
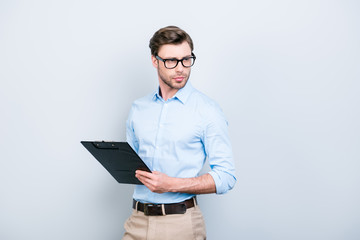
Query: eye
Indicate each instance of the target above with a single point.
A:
(187, 60)
(171, 61)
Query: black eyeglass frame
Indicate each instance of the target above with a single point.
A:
(181, 60)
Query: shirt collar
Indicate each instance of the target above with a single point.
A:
(182, 95)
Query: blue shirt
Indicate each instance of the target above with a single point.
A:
(176, 136)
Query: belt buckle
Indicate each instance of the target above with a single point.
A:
(152, 209)
(146, 209)
(148, 206)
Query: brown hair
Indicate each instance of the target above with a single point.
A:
(169, 35)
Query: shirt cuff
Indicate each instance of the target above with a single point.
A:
(223, 181)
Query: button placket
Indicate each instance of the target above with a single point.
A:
(160, 129)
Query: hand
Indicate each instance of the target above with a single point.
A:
(156, 181)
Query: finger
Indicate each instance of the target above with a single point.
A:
(147, 183)
(143, 173)
(145, 180)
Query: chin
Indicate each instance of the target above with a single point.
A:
(179, 85)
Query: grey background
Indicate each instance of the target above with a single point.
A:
(286, 74)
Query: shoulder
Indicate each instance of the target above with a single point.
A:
(205, 103)
(143, 101)
(141, 106)
(207, 109)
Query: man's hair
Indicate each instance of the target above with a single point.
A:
(169, 35)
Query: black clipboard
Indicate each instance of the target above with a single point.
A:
(118, 158)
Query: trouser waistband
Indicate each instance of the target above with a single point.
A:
(151, 209)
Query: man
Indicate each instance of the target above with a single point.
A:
(174, 130)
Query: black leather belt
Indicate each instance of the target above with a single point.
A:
(151, 209)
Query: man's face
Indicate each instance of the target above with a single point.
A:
(176, 78)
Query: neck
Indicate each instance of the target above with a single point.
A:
(167, 92)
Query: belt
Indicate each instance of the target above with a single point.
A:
(151, 209)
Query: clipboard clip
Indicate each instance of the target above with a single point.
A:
(105, 145)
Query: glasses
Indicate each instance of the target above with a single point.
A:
(173, 62)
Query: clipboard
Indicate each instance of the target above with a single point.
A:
(118, 158)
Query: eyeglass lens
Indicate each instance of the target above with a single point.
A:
(186, 62)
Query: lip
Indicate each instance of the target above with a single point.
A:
(178, 79)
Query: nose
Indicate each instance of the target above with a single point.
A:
(179, 67)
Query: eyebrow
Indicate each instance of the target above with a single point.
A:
(177, 58)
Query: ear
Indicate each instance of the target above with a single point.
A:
(154, 61)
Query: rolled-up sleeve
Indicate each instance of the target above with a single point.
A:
(219, 152)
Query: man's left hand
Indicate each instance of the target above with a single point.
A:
(156, 181)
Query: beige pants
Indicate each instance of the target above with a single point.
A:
(187, 226)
